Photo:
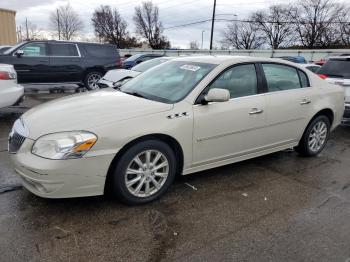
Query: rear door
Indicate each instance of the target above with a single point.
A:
(234, 128)
(65, 62)
(33, 65)
(289, 99)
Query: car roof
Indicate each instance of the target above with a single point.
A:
(307, 65)
(213, 59)
(69, 42)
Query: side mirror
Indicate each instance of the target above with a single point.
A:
(217, 95)
(19, 53)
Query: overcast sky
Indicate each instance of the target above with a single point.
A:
(172, 13)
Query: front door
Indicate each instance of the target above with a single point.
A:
(33, 65)
(234, 128)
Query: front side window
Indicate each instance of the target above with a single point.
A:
(281, 77)
(239, 81)
(168, 83)
(34, 49)
(63, 50)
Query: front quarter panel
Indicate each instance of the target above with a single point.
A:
(176, 123)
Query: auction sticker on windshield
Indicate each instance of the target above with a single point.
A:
(190, 67)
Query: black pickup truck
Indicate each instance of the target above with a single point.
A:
(62, 61)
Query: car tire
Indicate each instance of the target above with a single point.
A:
(315, 137)
(91, 79)
(137, 181)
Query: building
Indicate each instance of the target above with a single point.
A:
(7, 27)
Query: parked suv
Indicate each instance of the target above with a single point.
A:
(59, 61)
(337, 71)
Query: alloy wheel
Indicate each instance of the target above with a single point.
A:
(318, 136)
(146, 173)
(93, 80)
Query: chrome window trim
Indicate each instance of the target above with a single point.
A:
(76, 46)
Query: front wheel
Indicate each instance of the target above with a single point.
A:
(91, 80)
(144, 172)
(315, 137)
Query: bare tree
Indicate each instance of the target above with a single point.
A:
(194, 45)
(275, 25)
(29, 31)
(344, 26)
(315, 20)
(147, 24)
(242, 35)
(112, 28)
(66, 22)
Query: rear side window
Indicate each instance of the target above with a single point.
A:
(63, 50)
(101, 50)
(281, 77)
(239, 81)
(304, 80)
(336, 68)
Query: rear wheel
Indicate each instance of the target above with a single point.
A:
(144, 172)
(91, 79)
(315, 137)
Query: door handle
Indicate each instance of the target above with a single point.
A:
(305, 102)
(255, 111)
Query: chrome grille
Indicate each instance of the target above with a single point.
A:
(15, 142)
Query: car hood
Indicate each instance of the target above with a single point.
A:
(119, 74)
(87, 111)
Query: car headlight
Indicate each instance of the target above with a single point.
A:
(64, 145)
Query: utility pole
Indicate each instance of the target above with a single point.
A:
(202, 39)
(27, 29)
(58, 24)
(212, 26)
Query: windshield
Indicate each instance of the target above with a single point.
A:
(168, 83)
(132, 58)
(9, 51)
(336, 68)
(148, 64)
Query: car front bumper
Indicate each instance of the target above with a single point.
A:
(61, 178)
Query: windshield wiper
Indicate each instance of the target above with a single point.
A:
(136, 94)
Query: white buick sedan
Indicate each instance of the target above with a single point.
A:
(184, 116)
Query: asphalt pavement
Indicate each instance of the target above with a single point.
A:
(279, 207)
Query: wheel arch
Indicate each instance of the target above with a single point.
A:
(171, 141)
(93, 69)
(326, 112)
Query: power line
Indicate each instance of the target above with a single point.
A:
(189, 24)
(252, 21)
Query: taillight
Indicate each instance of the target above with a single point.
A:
(4, 75)
(7, 75)
(322, 76)
(119, 62)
